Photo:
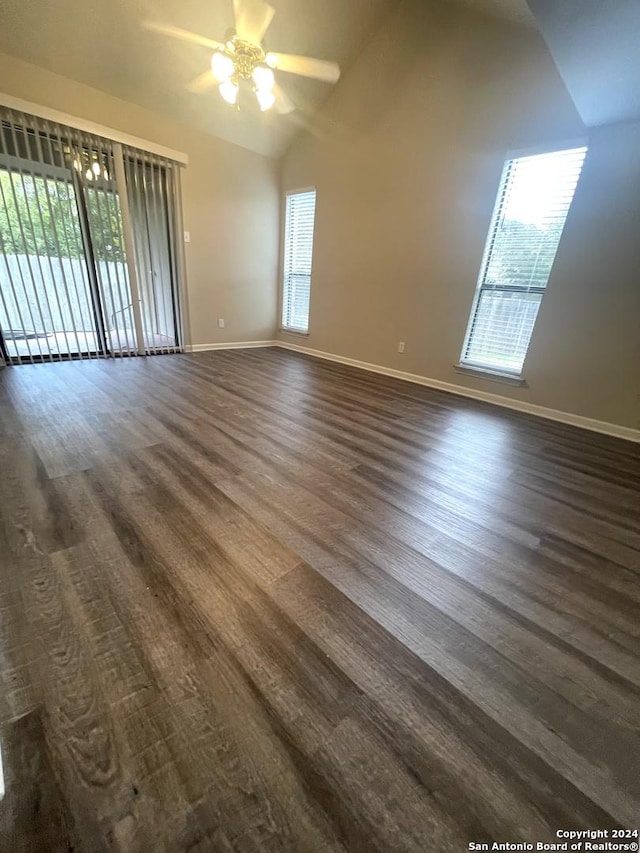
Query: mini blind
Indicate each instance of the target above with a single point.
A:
(298, 253)
(533, 202)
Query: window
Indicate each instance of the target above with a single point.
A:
(298, 251)
(532, 205)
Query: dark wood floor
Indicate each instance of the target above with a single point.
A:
(256, 602)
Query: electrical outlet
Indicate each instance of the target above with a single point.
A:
(187, 236)
(221, 323)
(401, 346)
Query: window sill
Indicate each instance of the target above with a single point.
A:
(286, 331)
(488, 373)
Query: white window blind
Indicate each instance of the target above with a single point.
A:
(532, 206)
(298, 253)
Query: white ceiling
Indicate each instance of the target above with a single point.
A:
(512, 10)
(596, 46)
(101, 43)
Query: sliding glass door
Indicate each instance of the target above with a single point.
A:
(88, 264)
(47, 309)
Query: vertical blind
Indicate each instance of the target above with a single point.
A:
(152, 199)
(88, 243)
(298, 254)
(533, 202)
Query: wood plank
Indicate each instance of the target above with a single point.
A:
(250, 601)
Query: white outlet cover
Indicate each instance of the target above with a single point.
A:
(187, 236)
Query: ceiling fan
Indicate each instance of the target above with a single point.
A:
(242, 60)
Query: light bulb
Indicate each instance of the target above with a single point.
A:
(105, 175)
(229, 91)
(271, 60)
(77, 165)
(266, 99)
(222, 66)
(89, 175)
(263, 78)
(96, 168)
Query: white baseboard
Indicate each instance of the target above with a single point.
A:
(232, 345)
(529, 408)
(497, 399)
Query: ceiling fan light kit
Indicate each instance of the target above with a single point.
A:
(221, 66)
(242, 62)
(229, 91)
(239, 60)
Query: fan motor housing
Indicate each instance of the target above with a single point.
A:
(246, 55)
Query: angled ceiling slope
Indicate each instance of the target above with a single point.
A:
(100, 43)
(595, 45)
(510, 10)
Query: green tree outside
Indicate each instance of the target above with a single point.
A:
(39, 216)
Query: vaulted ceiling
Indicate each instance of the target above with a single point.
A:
(101, 43)
(511, 10)
(596, 47)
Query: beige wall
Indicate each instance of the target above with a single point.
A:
(230, 203)
(585, 350)
(406, 160)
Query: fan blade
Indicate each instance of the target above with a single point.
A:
(184, 35)
(305, 66)
(252, 19)
(283, 104)
(201, 83)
